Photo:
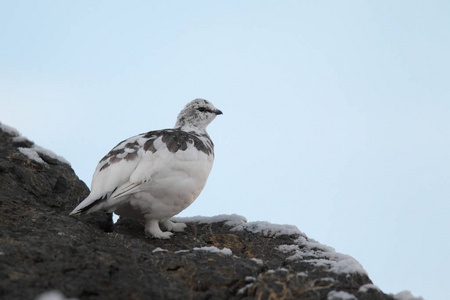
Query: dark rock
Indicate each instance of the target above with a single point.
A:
(42, 248)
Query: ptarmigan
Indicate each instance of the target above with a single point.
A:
(155, 175)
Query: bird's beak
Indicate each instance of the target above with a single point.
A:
(218, 112)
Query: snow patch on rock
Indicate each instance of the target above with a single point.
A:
(33, 152)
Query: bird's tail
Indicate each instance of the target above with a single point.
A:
(91, 204)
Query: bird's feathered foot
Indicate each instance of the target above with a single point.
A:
(152, 229)
(171, 226)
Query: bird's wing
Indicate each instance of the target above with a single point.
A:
(116, 167)
(111, 178)
(168, 160)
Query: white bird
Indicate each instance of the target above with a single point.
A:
(155, 175)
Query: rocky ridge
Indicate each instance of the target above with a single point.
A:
(42, 248)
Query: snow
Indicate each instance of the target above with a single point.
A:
(31, 154)
(341, 295)
(342, 263)
(19, 139)
(325, 279)
(406, 295)
(50, 154)
(213, 249)
(53, 295)
(239, 223)
(302, 248)
(321, 255)
(257, 260)
(158, 249)
(268, 229)
(9, 130)
(288, 248)
(34, 151)
(181, 251)
(250, 279)
(242, 290)
(230, 220)
(365, 288)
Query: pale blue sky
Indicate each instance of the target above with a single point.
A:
(336, 114)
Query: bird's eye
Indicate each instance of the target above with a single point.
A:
(203, 109)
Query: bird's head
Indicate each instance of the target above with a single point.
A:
(197, 114)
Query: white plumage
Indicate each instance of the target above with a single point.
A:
(155, 175)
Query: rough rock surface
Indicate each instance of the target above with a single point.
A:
(42, 248)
